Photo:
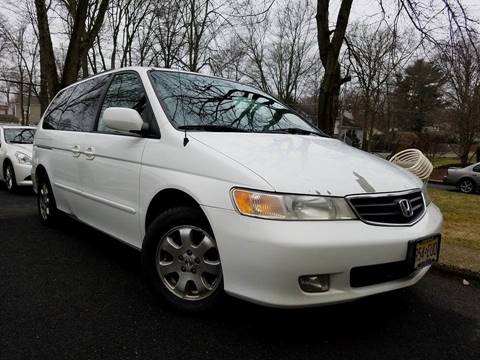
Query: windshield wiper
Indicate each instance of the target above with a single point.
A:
(296, 131)
(219, 128)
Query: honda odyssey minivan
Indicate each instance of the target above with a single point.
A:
(225, 189)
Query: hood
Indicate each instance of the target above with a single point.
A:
(25, 148)
(306, 164)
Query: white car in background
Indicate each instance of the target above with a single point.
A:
(16, 145)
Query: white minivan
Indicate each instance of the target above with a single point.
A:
(225, 189)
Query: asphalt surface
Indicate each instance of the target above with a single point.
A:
(441, 186)
(74, 293)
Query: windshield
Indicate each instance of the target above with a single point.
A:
(210, 104)
(19, 135)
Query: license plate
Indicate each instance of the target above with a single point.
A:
(424, 252)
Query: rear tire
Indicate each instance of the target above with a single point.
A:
(181, 262)
(466, 186)
(47, 207)
(10, 179)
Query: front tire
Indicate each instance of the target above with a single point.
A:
(10, 179)
(47, 207)
(181, 261)
(466, 186)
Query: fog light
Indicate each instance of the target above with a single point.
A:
(314, 283)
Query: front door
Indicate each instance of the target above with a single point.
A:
(111, 165)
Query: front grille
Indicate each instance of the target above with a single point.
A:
(385, 208)
(377, 274)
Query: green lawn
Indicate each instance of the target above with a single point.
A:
(441, 161)
(452, 161)
(461, 217)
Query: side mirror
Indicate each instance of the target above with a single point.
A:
(123, 120)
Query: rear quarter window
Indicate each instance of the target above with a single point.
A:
(51, 120)
(79, 111)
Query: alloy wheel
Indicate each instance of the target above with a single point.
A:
(188, 263)
(466, 186)
(9, 177)
(44, 202)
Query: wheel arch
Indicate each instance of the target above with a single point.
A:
(465, 177)
(40, 171)
(6, 161)
(166, 199)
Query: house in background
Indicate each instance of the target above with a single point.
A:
(347, 130)
(12, 112)
(7, 113)
(6, 109)
(34, 110)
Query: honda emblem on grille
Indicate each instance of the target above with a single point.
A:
(406, 208)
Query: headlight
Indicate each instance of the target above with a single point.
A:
(23, 158)
(426, 197)
(291, 207)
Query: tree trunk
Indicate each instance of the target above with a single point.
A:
(29, 101)
(48, 68)
(43, 94)
(366, 122)
(328, 102)
(464, 159)
(85, 65)
(75, 51)
(21, 93)
(329, 53)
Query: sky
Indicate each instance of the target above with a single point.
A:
(364, 10)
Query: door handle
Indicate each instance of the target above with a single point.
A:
(76, 151)
(90, 153)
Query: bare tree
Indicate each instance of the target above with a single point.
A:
(329, 46)
(86, 19)
(461, 64)
(254, 41)
(23, 50)
(169, 34)
(135, 13)
(202, 22)
(423, 14)
(229, 59)
(291, 50)
(375, 53)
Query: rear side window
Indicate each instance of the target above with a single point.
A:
(76, 108)
(81, 111)
(126, 90)
(52, 118)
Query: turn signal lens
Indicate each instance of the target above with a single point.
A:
(290, 206)
(259, 204)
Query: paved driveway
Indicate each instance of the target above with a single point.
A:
(74, 293)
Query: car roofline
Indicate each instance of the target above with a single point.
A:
(15, 126)
(150, 68)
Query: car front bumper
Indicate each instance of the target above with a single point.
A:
(23, 174)
(262, 260)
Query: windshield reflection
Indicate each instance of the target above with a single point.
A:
(19, 136)
(206, 103)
